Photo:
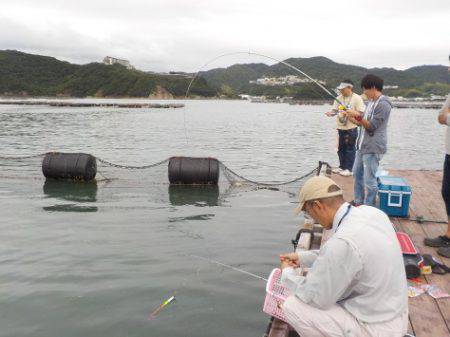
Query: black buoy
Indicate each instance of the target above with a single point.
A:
(75, 166)
(188, 170)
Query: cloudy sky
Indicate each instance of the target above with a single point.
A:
(164, 35)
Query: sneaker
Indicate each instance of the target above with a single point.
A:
(440, 241)
(345, 173)
(336, 170)
(436, 266)
(355, 204)
(444, 251)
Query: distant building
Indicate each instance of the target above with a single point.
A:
(172, 73)
(111, 60)
(437, 98)
(284, 80)
(181, 73)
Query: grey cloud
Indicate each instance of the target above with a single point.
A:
(58, 41)
(166, 35)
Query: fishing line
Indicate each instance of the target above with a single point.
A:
(328, 92)
(228, 266)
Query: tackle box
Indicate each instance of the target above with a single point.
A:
(394, 194)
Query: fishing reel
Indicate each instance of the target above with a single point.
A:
(297, 238)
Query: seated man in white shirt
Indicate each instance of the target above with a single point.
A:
(356, 284)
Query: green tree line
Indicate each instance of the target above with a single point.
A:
(35, 75)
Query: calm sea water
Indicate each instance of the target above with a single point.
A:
(97, 261)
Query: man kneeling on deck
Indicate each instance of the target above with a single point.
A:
(356, 284)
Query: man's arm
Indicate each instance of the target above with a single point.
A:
(289, 261)
(302, 258)
(442, 118)
(334, 110)
(445, 111)
(356, 118)
(331, 113)
(337, 265)
(380, 114)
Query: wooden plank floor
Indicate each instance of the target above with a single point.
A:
(428, 317)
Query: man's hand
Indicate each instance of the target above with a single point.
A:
(330, 113)
(354, 121)
(286, 264)
(442, 119)
(351, 113)
(291, 259)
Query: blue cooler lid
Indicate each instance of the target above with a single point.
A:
(391, 183)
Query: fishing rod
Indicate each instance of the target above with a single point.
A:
(229, 267)
(328, 92)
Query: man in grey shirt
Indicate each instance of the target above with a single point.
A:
(371, 143)
(356, 284)
(443, 242)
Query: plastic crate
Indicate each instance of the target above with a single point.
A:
(394, 194)
(276, 294)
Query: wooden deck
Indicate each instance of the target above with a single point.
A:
(427, 316)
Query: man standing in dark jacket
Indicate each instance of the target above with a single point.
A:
(442, 242)
(371, 144)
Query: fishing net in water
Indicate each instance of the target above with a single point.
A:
(150, 179)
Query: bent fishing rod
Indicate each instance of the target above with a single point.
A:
(328, 92)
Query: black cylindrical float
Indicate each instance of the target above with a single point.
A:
(188, 170)
(76, 166)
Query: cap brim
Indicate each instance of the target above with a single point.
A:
(344, 85)
(299, 208)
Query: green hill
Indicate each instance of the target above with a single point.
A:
(416, 81)
(236, 76)
(35, 75)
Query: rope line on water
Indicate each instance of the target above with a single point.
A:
(130, 167)
(269, 183)
(231, 175)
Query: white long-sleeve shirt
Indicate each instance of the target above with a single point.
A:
(360, 267)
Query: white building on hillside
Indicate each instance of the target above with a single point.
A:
(111, 60)
(283, 80)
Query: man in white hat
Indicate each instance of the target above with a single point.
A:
(356, 284)
(347, 131)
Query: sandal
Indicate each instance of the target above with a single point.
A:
(436, 266)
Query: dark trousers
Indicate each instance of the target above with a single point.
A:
(446, 183)
(346, 149)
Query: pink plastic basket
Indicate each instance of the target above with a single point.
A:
(276, 294)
